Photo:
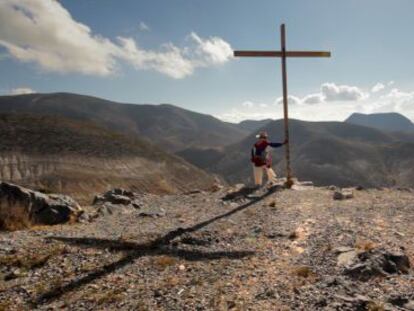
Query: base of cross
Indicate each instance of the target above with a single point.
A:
(293, 183)
(289, 183)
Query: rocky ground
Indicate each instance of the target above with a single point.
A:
(267, 250)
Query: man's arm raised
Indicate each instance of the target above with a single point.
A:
(277, 145)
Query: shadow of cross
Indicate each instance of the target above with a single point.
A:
(160, 246)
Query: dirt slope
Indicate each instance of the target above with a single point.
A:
(82, 159)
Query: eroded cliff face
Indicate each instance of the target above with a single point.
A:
(18, 167)
(81, 159)
(83, 177)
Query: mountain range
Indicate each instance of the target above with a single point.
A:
(253, 125)
(171, 127)
(340, 153)
(391, 122)
(327, 153)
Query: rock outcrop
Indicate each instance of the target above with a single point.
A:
(21, 207)
(373, 263)
(116, 201)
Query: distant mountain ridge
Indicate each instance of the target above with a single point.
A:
(391, 122)
(171, 127)
(327, 153)
(253, 125)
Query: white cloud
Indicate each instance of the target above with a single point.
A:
(333, 92)
(21, 90)
(396, 94)
(377, 87)
(250, 104)
(314, 107)
(43, 32)
(395, 101)
(143, 27)
(292, 100)
(170, 61)
(213, 50)
(312, 99)
(175, 62)
(330, 92)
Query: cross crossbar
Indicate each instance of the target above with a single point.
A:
(279, 54)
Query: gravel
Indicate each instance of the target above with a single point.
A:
(275, 250)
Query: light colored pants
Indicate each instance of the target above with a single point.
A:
(258, 174)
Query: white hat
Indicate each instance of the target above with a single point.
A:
(262, 134)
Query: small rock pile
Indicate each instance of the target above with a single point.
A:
(123, 201)
(365, 265)
(342, 193)
(377, 262)
(115, 201)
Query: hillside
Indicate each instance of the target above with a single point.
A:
(81, 158)
(278, 250)
(253, 125)
(203, 158)
(327, 153)
(170, 127)
(391, 122)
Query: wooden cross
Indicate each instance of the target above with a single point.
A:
(283, 54)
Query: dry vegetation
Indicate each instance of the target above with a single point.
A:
(13, 219)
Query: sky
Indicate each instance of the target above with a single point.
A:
(180, 52)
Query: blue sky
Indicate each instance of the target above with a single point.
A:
(178, 52)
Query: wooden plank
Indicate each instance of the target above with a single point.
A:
(308, 54)
(285, 104)
(257, 54)
(279, 54)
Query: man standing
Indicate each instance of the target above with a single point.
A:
(262, 159)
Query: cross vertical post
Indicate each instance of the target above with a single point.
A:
(283, 54)
(285, 104)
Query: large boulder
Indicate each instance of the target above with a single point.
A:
(21, 208)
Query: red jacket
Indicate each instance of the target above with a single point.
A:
(259, 155)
